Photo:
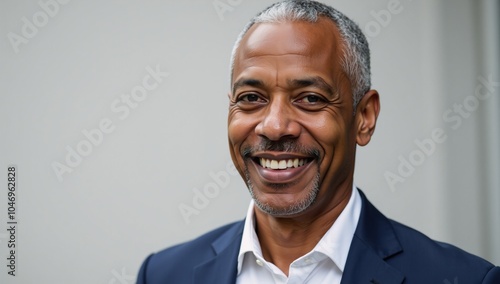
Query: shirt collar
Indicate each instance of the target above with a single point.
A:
(335, 243)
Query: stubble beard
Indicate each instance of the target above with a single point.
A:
(298, 207)
(285, 145)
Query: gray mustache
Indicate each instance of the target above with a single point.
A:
(288, 145)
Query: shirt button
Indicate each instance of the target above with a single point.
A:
(259, 262)
(307, 260)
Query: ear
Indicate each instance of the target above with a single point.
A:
(366, 117)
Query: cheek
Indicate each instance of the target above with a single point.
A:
(237, 129)
(236, 135)
(330, 131)
(326, 130)
(240, 130)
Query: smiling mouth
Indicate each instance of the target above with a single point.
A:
(282, 164)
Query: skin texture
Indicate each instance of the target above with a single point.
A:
(291, 99)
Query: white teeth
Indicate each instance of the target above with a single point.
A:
(282, 164)
(274, 164)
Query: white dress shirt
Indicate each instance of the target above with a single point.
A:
(324, 264)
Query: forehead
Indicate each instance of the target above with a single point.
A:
(289, 43)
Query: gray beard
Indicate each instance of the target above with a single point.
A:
(298, 207)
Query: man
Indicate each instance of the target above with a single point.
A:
(300, 102)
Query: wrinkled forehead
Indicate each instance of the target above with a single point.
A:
(320, 39)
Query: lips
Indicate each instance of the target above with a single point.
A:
(280, 168)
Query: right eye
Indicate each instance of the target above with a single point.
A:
(250, 101)
(249, 98)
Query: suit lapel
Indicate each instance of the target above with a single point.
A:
(373, 243)
(365, 266)
(221, 269)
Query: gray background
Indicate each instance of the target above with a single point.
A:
(122, 201)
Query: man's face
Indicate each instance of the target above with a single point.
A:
(291, 128)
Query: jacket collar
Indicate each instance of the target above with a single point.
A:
(221, 269)
(373, 243)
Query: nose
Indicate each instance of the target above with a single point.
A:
(279, 121)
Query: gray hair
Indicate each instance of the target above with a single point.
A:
(355, 60)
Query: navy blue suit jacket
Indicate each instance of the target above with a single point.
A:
(382, 252)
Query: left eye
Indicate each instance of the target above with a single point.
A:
(311, 99)
(311, 102)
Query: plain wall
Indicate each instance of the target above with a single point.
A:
(121, 202)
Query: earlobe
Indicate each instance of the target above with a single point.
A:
(366, 116)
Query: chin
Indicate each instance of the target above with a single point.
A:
(282, 208)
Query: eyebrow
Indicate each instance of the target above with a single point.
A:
(314, 81)
(247, 82)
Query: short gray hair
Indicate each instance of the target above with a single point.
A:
(355, 60)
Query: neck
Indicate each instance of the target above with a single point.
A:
(283, 240)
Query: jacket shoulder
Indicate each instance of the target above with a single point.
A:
(177, 262)
(411, 254)
(422, 255)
